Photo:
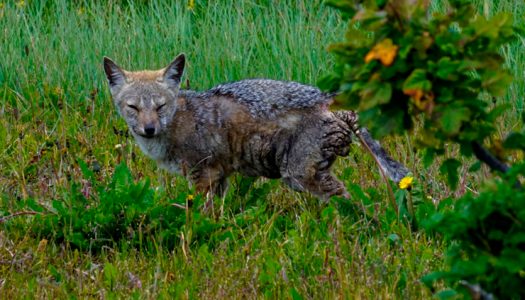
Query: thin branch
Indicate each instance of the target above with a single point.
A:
(485, 156)
(179, 206)
(476, 292)
(20, 213)
(495, 164)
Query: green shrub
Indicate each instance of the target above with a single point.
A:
(94, 215)
(400, 66)
(487, 235)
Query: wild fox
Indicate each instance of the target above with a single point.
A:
(257, 127)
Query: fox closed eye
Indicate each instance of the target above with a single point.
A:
(133, 107)
(160, 107)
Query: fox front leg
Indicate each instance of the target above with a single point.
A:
(209, 182)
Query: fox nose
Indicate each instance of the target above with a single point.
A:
(149, 129)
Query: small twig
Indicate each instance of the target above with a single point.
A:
(20, 213)
(179, 206)
(476, 292)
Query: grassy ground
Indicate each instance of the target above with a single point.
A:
(55, 111)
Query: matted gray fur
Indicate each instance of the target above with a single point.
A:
(256, 127)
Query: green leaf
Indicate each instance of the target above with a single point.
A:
(465, 149)
(389, 121)
(122, 176)
(328, 213)
(429, 279)
(393, 239)
(417, 80)
(86, 171)
(357, 38)
(497, 111)
(475, 167)
(428, 157)
(381, 3)
(329, 82)
(493, 28)
(55, 273)
(449, 168)
(515, 141)
(496, 82)
(401, 200)
(375, 93)
(346, 7)
(485, 28)
(294, 294)
(452, 118)
(110, 275)
(402, 282)
(33, 205)
(448, 69)
(447, 294)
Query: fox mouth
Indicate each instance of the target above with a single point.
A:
(147, 136)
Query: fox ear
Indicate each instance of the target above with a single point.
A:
(173, 73)
(114, 73)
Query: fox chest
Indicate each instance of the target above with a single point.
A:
(157, 149)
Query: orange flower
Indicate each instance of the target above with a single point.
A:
(423, 100)
(385, 51)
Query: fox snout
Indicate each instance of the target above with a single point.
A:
(148, 129)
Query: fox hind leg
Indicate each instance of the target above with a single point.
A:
(324, 185)
(312, 174)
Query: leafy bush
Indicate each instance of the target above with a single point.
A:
(487, 235)
(93, 215)
(400, 67)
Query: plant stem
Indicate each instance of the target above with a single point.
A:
(20, 213)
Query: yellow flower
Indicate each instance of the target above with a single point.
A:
(191, 4)
(190, 197)
(58, 91)
(406, 182)
(384, 51)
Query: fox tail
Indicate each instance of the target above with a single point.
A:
(393, 169)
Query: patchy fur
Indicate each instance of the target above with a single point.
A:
(257, 127)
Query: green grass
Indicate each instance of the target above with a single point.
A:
(55, 110)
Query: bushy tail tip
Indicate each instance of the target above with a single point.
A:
(393, 169)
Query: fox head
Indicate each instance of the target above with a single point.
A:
(146, 99)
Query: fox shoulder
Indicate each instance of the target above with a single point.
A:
(268, 98)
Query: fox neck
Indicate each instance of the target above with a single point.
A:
(155, 147)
